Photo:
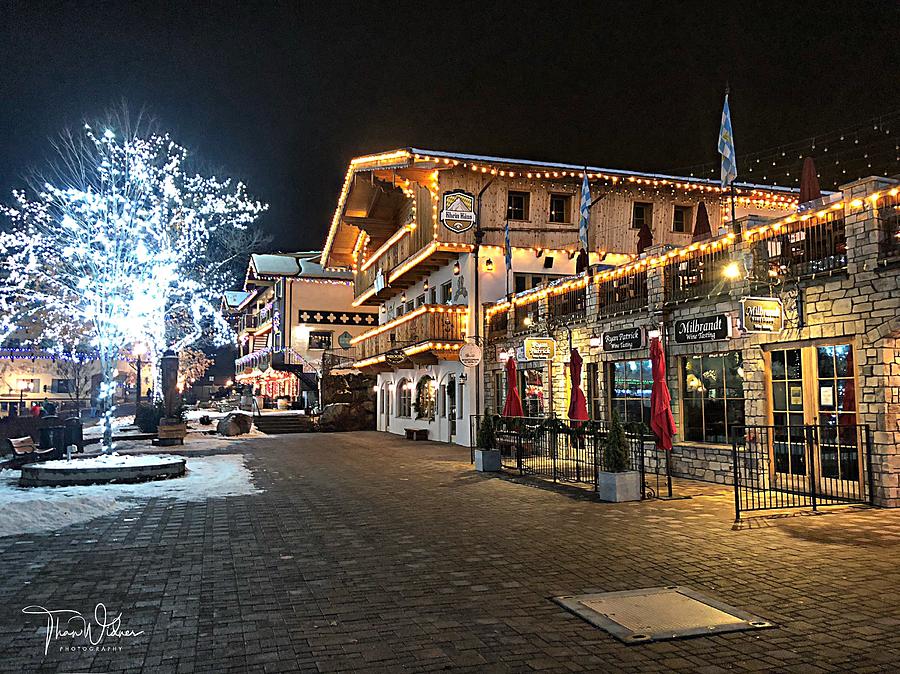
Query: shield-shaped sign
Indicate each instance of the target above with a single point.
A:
(458, 211)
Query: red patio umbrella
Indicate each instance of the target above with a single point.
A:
(513, 405)
(577, 402)
(809, 182)
(661, 420)
(702, 230)
(645, 238)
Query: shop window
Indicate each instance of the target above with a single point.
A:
(682, 219)
(631, 382)
(560, 205)
(712, 396)
(404, 398)
(517, 205)
(425, 398)
(531, 389)
(640, 215)
(594, 391)
(320, 340)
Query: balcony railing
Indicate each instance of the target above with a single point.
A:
(429, 323)
(888, 216)
(622, 295)
(806, 248)
(697, 274)
(570, 305)
(249, 321)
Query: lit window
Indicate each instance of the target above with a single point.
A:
(631, 381)
(320, 340)
(404, 398)
(713, 396)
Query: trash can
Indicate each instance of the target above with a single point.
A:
(74, 433)
(51, 434)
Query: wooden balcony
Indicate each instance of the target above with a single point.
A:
(424, 336)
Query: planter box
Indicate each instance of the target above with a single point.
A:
(487, 460)
(619, 487)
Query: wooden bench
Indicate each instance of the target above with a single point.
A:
(23, 450)
(416, 433)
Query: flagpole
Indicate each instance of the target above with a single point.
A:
(735, 227)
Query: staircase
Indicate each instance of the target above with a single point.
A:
(275, 424)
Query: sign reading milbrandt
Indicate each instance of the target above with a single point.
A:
(702, 329)
(622, 340)
(458, 211)
(762, 314)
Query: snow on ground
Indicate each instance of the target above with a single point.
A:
(195, 415)
(114, 460)
(118, 423)
(26, 510)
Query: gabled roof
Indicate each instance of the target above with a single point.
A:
(435, 159)
(300, 265)
(235, 298)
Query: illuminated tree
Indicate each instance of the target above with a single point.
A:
(192, 364)
(122, 240)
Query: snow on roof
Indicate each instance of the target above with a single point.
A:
(301, 264)
(274, 264)
(234, 298)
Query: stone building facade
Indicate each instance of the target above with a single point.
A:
(826, 354)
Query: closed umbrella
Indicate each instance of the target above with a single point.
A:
(577, 403)
(645, 238)
(702, 230)
(662, 423)
(809, 182)
(513, 405)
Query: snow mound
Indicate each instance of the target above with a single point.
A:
(43, 509)
(114, 460)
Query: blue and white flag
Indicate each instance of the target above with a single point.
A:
(726, 147)
(585, 212)
(508, 249)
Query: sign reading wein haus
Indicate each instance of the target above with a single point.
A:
(702, 329)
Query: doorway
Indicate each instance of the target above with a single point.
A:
(450, 406)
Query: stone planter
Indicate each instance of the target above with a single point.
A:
(619, 487)
(487, 460)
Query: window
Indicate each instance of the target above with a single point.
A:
(532, 392)
(560, 208)
(425, 398)
(447, 293)
(631, 382)
(62, 386)
(410, 306)
(713, 396)
(682, 219)
(500, 391)
(524, 282)
(398, 311)
(432, 296)
(404, 398)
(838, 447)
(640, 214)
(420, 300)
(594, 390)
(517, 205)
(320, 340)
(30, 386)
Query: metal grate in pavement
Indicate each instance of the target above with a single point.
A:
(657, 613)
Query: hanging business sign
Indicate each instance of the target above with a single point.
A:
(623, 340)
(762, 314)
(540, 348)
(458, 211)
(470, 355)
(702, 329)
(394, 357)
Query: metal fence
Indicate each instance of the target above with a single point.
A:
(778, 467)
(807, 248)
(623, 294)
(565, 450)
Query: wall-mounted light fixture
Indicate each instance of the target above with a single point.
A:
(425, 285)
(489, 264)
(456, 268)
(596, 341)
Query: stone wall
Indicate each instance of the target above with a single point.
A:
(348, 402)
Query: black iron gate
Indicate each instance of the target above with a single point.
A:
(778, 467)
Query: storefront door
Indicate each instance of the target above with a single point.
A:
(451, 405)
(815, 430)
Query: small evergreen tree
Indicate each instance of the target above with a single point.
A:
(615, 452)
(487, 438)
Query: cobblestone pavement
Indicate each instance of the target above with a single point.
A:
(371, 553)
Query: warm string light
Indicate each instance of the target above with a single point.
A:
(425, 308)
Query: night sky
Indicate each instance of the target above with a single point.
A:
(282, 95)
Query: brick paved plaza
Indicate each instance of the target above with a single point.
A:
(371, 553)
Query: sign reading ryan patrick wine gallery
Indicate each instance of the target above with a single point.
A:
(702, 329)
(622, 340)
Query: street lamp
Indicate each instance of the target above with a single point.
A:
(23, 386)
(138, 350)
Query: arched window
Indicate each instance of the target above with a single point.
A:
(425, 398)
(404, 398)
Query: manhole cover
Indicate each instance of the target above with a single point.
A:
(657, 613)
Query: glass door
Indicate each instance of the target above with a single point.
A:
(789, 442)
(839, 459)
(451, 405)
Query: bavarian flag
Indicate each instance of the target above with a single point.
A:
(726, 147)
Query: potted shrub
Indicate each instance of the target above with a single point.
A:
(617, 481)
(487, 456)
